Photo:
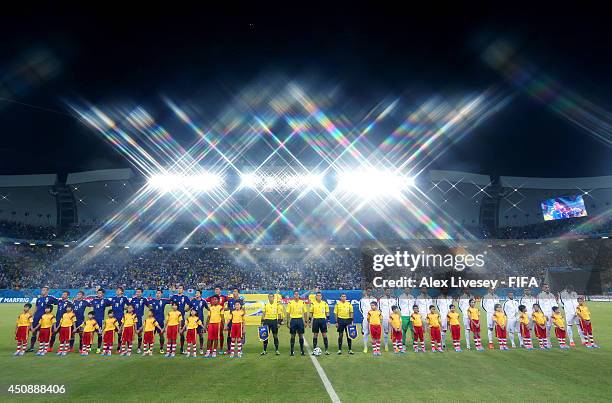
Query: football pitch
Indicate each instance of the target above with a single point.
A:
(515, 375)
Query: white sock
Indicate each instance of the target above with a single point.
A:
(570, 333)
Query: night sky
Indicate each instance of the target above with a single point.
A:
(109, 60)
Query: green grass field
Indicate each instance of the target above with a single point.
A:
(515, 375)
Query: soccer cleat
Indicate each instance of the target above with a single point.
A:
(491, 347)
(161, 350)
(572, 344)
(291, 354)
(129, 354)
(239, 355)
(457, 350)
(593, 345)
(49, 350)
(263, 353)
(351, 352)
(16, 353)
(339, 352)
(30, 350)
(213, 355)
(231, 355)
(167, 355)
(172, 355)
(201, 351)
(433, 350)
(326, 352)
(138, 351)
(207, 355)
(303, 354)
(277, 352)
(365, 350)
(440, 350)
(386, 347)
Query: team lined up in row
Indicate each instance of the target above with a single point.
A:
(406, 314)
(126, 317)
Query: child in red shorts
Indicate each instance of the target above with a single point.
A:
(67, 327)
(237, 330)
(111, 326)
(375, 324)
(22, 329)
(524, 327)
(44, 327)
(417, 328)
(395, 321)
(191, 327)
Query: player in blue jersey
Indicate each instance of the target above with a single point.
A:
(181, 299)
(118, 302)
(78, 307)
(62, 302)
(199, 304)
(42, 301)
(99, 304)
(158, 306)
(235, 297)
(138, 302)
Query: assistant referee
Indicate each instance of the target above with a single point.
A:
(297, 315)
(272, 314)
(343, 311)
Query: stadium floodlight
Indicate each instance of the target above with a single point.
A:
(17, 243)
(249, 180)
(370, 183)
(198, 182)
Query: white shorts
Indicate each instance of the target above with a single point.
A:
(572, 320)
(490, 321)
(365, 327)
(385, 325)
(466, 322)
(444, 320)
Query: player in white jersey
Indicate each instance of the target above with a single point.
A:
(547, 300)
(569, 299)
(443, 303)
(405, 303)
(464, 304)
(364, 307)
(384, 304)
(488, 302)
(511, 310)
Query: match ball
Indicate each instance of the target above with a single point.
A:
(317, 351)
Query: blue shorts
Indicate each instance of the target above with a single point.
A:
(161, 324)
(36, 320)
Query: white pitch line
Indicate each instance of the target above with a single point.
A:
(328, 386)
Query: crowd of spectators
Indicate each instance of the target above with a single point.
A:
(31, 266)
(25, 266)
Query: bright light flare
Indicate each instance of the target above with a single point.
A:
(281, 182)
(201, 182)
(371, 183)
